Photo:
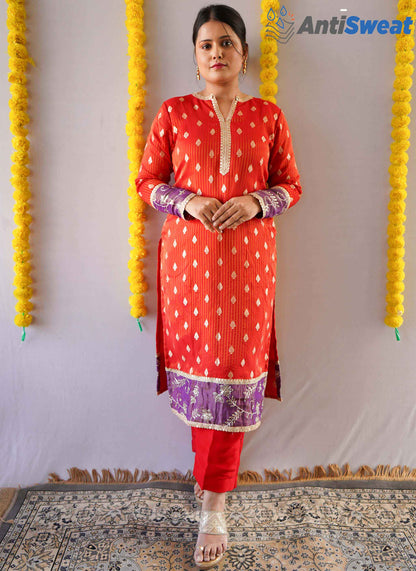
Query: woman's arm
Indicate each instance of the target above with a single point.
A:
(152, 182)
(284, 180)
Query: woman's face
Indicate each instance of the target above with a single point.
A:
(217, 42)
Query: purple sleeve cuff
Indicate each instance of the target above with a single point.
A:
(273, 201)
(171, 199)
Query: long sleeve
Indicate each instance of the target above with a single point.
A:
(152, 182)
(284, 180)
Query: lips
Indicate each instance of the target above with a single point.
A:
(218, 65)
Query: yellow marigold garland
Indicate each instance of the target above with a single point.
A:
(398, 169)
(136, 142)
(268, 46)
(19, 58)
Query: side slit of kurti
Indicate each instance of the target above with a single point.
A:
(162, 383)
(273, 382)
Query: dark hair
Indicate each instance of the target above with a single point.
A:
(221, 13)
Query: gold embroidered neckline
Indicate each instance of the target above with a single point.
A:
(225, 152)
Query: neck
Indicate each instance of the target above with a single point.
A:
(222, 92)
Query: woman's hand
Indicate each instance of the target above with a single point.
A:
(235, 211)
(203, 208)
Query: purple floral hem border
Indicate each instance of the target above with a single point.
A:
(210, 404)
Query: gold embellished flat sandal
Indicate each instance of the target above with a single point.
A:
(214, 523)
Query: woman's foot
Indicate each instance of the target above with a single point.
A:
(198, 492)
(213, 544)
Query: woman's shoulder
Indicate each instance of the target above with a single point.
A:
(177, 100)
(179, 103)
(273, 107)
(189, 97)
(263, 105)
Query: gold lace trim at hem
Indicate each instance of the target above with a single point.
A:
(218, 380)
(216, 426)
(271, 476)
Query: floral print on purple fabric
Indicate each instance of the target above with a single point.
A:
(212, 404)
(273, 201)
(171, 199)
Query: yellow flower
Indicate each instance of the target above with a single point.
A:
(268, 59)
(134, 129)
(401, 110)
(19, 58)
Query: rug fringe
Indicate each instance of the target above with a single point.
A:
(78, 476)
(332, 472)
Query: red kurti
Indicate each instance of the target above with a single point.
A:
(215, 340)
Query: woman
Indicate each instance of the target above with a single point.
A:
(234, 168)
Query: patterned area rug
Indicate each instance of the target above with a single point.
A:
(345, 523)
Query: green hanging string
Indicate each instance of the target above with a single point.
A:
(397, 334)
(140, 325)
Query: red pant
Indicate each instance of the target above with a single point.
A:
(217, 458)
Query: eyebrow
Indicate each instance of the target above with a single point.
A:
(227, 36)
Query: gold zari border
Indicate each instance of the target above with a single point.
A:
(218, 380)
(216, 426)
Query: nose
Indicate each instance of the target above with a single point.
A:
(217, 53)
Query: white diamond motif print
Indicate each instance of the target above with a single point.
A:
(214, 296)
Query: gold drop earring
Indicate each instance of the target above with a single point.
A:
(245, 66)
(197, 73)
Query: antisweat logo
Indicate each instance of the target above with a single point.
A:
(281, 25)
